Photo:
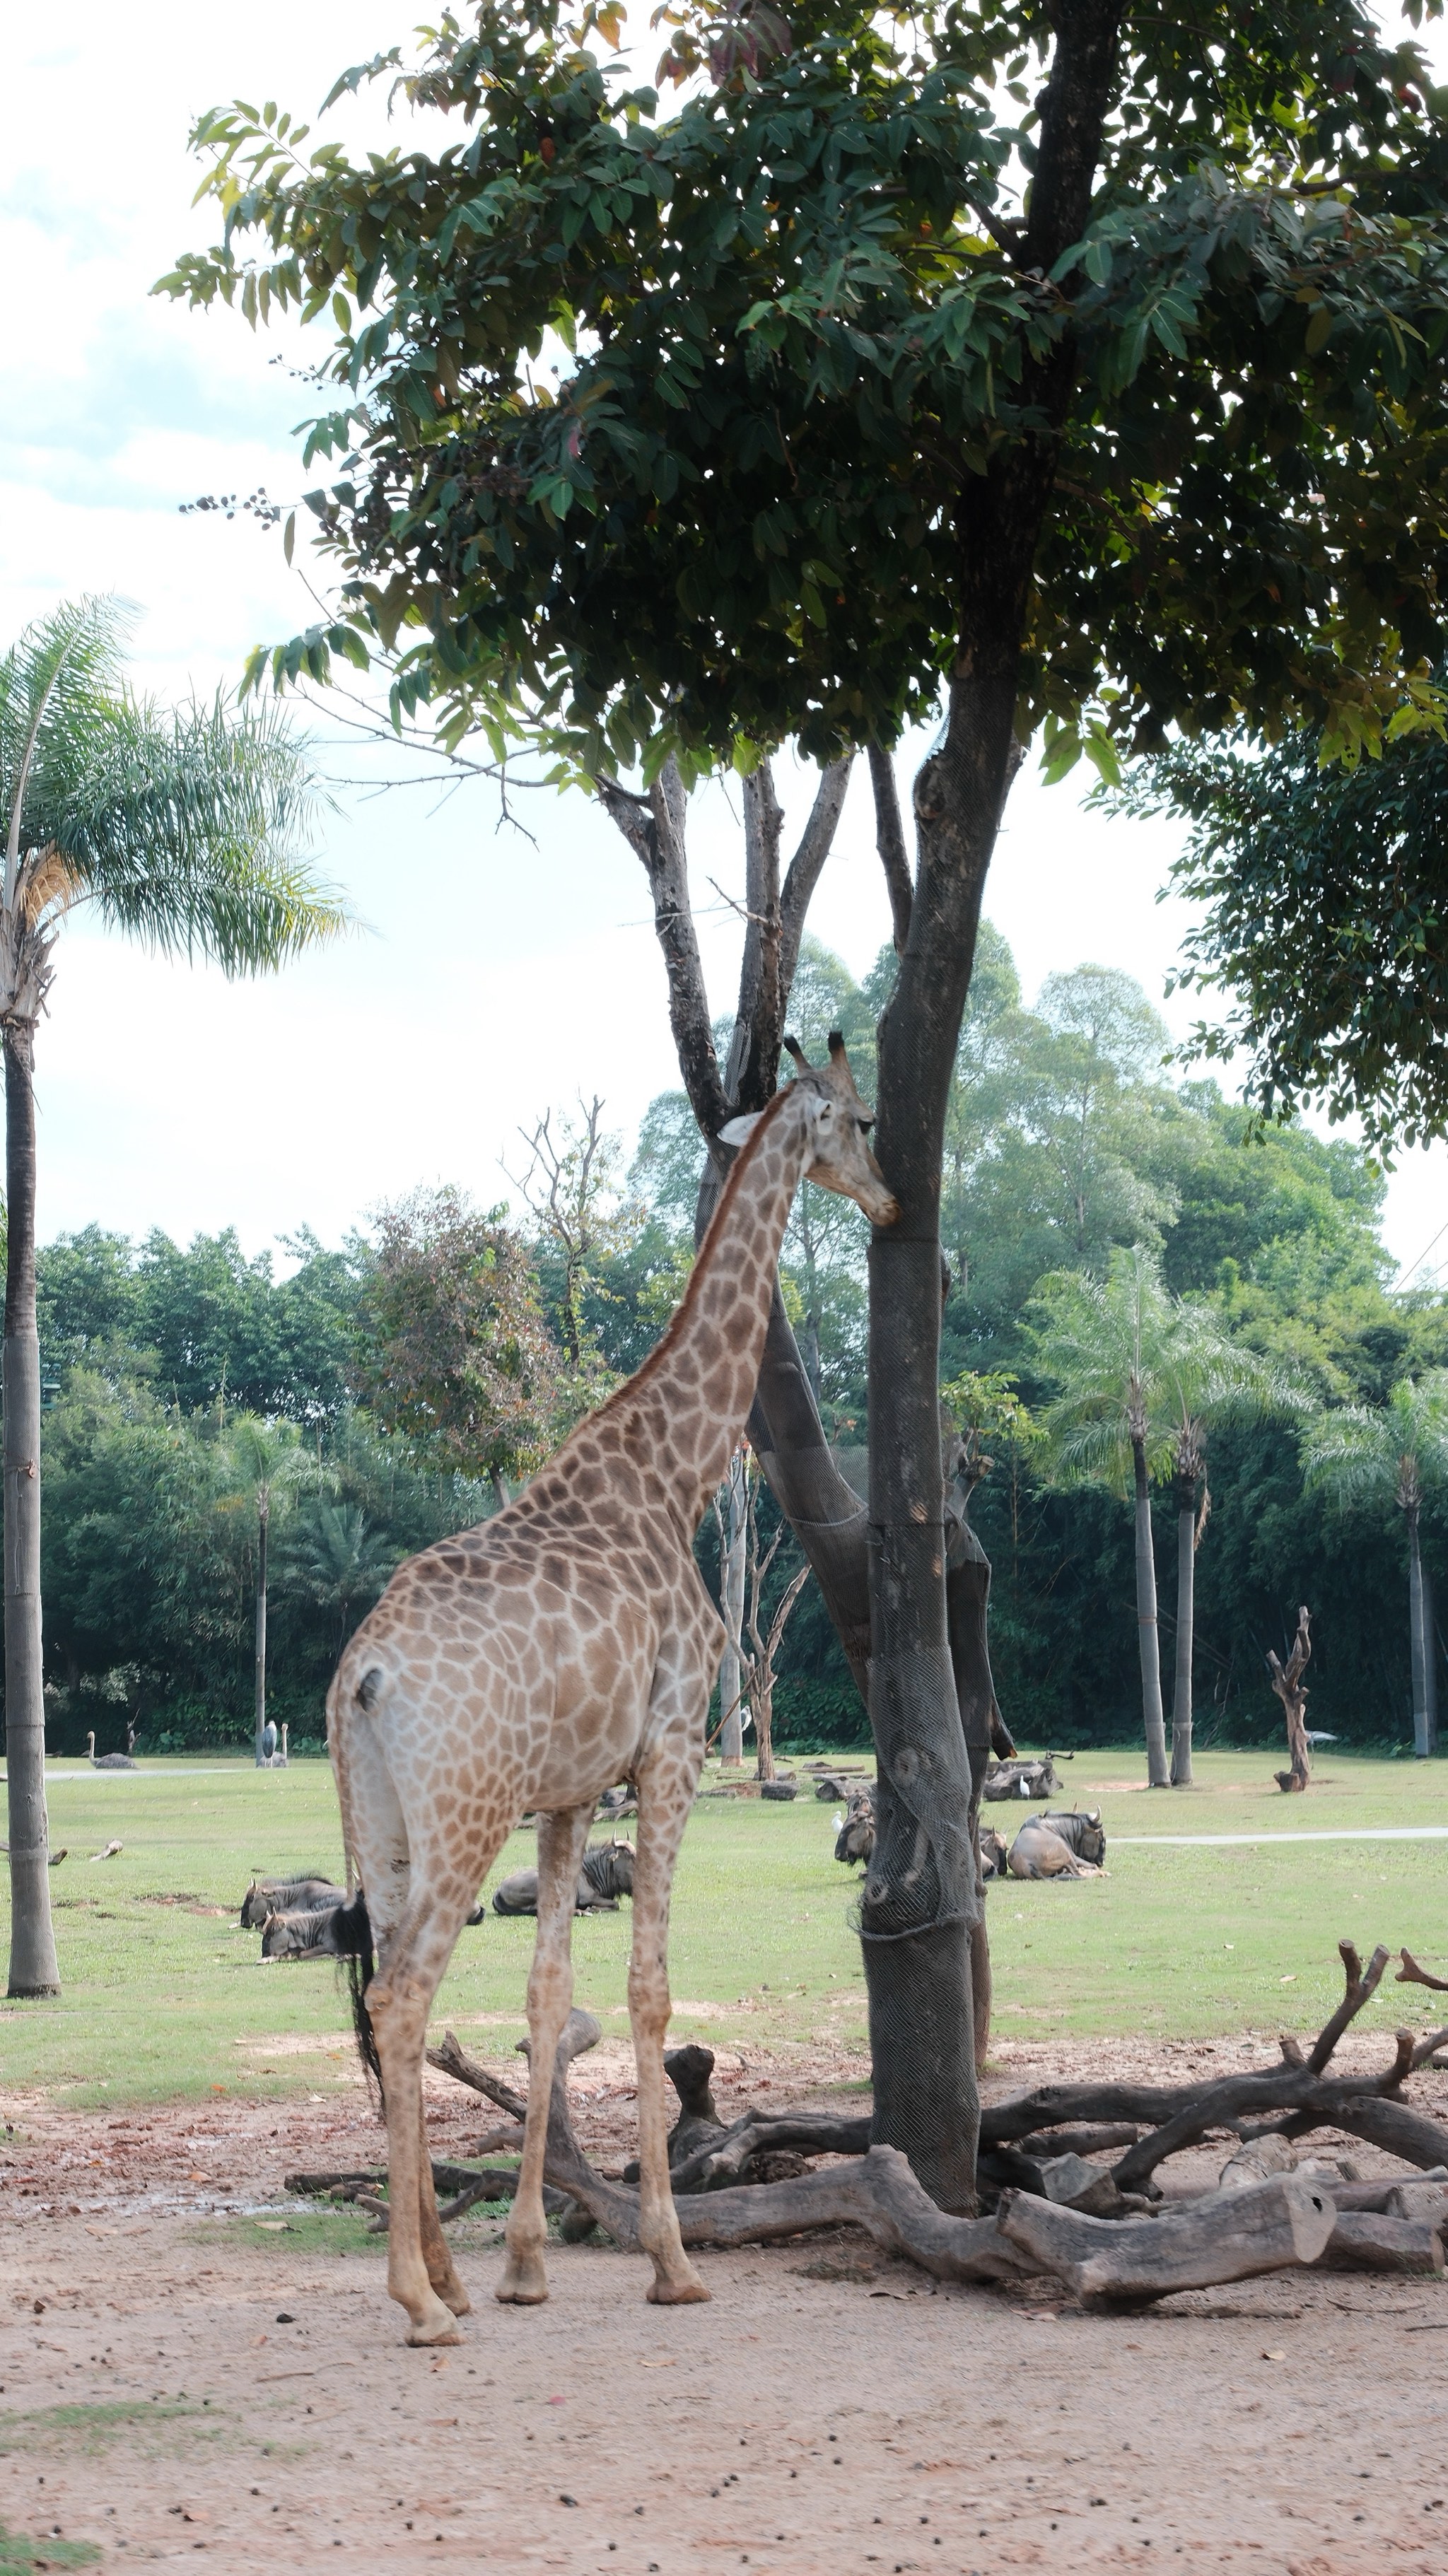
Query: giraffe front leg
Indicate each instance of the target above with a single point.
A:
(398, 2004)
(666, 1793)
(550, 1997)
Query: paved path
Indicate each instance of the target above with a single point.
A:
(1350, 1834)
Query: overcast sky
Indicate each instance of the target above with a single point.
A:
(488, 978)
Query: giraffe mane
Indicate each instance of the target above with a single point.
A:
(681, 1313)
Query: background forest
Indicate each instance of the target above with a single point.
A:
(395, 1389)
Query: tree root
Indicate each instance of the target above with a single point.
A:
(1103, 2230)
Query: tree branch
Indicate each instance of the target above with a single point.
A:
(655, 834)
(816, 842)
(890, 842)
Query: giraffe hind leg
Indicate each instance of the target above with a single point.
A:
(561, 1841)
(398, 2000)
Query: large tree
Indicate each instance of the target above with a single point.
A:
(178, 827)
(886, 366)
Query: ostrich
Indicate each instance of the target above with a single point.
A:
(107, 1761)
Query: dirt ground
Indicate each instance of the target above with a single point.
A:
(181, 2372)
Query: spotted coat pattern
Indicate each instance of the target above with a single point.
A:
(562, 1646)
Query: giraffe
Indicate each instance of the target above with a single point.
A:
(567, 1643)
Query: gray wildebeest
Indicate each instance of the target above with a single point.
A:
(1060, 1846)
(855, 1840)
(992, 1850)
(606, 1875)
(288, 1896)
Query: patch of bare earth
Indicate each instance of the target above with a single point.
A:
(173, 2385)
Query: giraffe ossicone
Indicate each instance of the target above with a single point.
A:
(531, 1662)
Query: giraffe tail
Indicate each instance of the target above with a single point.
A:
(352, 1940)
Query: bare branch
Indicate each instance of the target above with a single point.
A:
(1360, 1990)
(890, 842)
(816, 842)
(655, 834)
(1410, 1974)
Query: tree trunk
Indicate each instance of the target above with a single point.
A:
(1417, 1641)
(33, 1966)
(1157, 1774)
(1181, 1709)
(764, 1727)
(262, 1519)
(1430, 1657)
(731, 1597)
(967, 1614)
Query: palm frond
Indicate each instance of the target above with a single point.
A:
(181, 828)
(55, 679)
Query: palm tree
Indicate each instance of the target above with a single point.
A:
(1143, 1378)
(177, 827)
(265, 1464)
(340, 1562)
(1203, 1378)
(1102, 1341)
(1364, 1455)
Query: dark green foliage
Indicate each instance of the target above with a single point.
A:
(217, 1329)
(810, 316)
(1325, 922)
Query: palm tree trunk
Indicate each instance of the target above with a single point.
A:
(262, 1519)
(1181, 1708)
(1417, 1642)
(1430, 1658)
(34, 1969)
(1157, 1774)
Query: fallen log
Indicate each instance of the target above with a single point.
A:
(1034, 2153)
(485, 2182)
(810, 2133)
(1363, 2242)
(1227, 2236)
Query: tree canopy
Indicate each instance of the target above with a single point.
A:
(1323, 925)
(1183, 306)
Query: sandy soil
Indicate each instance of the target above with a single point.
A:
(828, 2412)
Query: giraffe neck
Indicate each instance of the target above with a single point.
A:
(706, 1367)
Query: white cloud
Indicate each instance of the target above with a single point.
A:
(496, 977)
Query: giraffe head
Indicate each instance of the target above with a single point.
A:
(841, 1159)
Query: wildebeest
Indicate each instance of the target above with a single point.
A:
(1059, 1846)
(288, 1896)
(302, 1935)
(606, 1875)
(993, 1850)
(855, 1840)
(1021, 1779)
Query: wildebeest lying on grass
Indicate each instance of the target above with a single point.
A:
(1059, 1846)
(313, 1930)
(1023, 1778)
(267, 1896)
(993, 1850)
(606, 1875)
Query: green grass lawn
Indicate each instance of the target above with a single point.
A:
(165, 1997)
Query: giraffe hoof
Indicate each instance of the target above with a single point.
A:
(436, 2325)
(523, 2285)
(686, 2292)
(454, 2296)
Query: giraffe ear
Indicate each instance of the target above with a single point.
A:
(739, 1130)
